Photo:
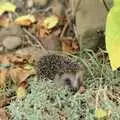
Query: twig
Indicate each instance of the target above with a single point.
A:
(74, 9)
(36, 39)
(29, 41)
(97, 99)
(105, 93)
(64, 29)
(105, 4)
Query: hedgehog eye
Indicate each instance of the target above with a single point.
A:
(68, 81)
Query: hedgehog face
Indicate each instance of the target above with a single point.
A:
(71, 81)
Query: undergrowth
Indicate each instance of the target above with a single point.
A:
(45, 101)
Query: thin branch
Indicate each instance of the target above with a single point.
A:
(36, 39)
(105, 4)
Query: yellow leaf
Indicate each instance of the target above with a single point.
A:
(50, 22)
(7, 7)
(25, 20)
(100, 113)
(21, 92)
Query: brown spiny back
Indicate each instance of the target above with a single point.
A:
(51, 64)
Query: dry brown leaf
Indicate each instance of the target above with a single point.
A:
(20, 75)
(4, 101)
(75, 46)
(18, 58)
(23, 84)
(3, 115)
(69, 45)
(40, 31)
(3, 70)
(4, 59)
(2, 79)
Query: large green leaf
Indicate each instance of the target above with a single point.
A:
(113, 35)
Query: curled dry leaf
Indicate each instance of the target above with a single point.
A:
(26, 20)
(20, 70)
(20, 75)
(19, 59)
(69, 45)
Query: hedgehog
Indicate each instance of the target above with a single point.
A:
(62, 69)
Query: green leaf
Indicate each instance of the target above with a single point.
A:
(113, 35)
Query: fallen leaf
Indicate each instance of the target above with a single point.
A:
(20, 70)
(7, 7)
(21, 92)
(100, 113)
(4, 65)
(42, 32)
(2, 79)
(69, 45)
(75, 46)
(23, 84)
(3, 115)
(19, 59)
(50, 22)
(25, 20)
(20, 75)
(4, 101)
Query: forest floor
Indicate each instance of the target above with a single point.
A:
(22, 97)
